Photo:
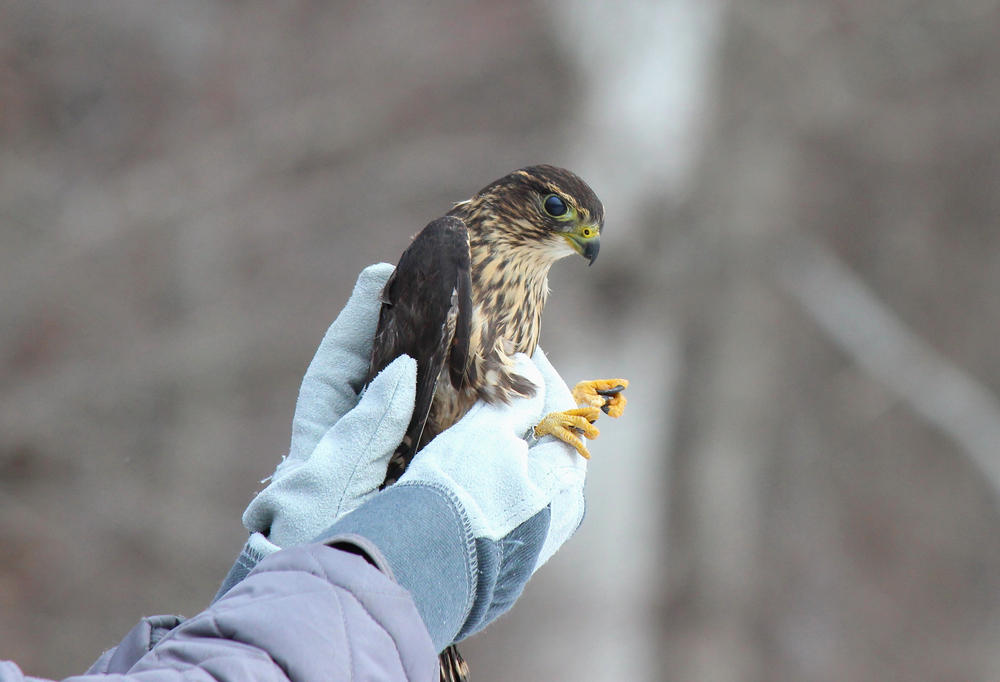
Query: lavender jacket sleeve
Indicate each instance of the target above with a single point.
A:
(308, 613)
(316, 612)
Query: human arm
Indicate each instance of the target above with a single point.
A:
(462, 539)
(479, 510)
(308, 613)
(327, 475)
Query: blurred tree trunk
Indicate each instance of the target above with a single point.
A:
(820, 528)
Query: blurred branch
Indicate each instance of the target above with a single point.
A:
(934, 387)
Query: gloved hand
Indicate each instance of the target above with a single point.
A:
(479, 509)
(521, 504)
(340, 447)
(501, 477)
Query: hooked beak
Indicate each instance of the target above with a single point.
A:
(585, 240)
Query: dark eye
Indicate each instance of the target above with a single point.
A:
(555, 206)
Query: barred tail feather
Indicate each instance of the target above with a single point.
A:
(453, 666)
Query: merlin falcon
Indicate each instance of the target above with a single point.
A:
(468, 294)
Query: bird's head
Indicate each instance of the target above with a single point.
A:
(547, 210)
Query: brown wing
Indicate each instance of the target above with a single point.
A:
(426, 314)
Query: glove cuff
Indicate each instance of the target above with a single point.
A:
(426, 540)
(254, 551)
(459, 582)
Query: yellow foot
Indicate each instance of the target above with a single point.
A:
(568, 426)
(603, 393)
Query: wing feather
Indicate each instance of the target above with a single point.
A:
(458, 357)
(426, 306)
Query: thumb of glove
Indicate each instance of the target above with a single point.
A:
(346, 467)
(516, 417)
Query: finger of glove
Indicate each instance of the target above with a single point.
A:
(561, 473)
(567, 511)
(557, 466)
(346, 467)
(370, 433)
(487, 473)
(558, 396)
(483, 460)
(516, 417)
(331, 384)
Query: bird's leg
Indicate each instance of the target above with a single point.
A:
(603, 393)
(594, 396)
(568, 426)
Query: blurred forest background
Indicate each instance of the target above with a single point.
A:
(799, 274)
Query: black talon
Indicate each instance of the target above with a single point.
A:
(605, 408)
(611, 392)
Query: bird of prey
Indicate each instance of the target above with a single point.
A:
(468, 294)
